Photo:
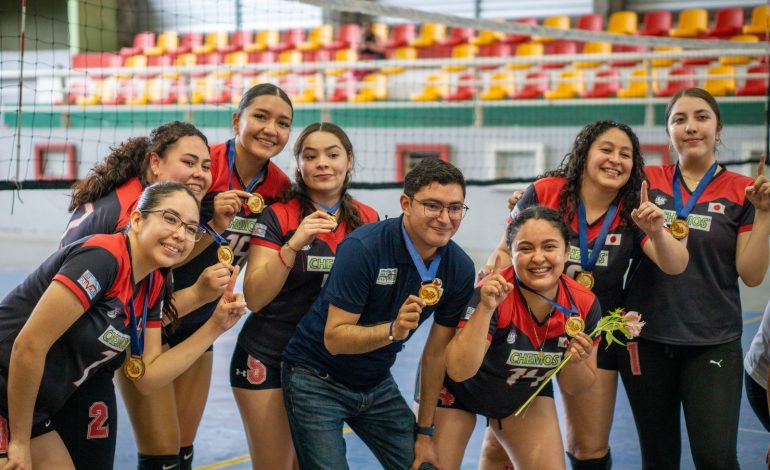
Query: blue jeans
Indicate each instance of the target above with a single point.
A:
(318, 406)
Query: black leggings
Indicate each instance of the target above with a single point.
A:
(758, 400)
(705, 381)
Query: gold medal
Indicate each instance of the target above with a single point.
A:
(430, 292)
(255, 203)
(333, 218)
(134, 367)
(679, 229)
(574, 325)
(225, 254)
(586, 279)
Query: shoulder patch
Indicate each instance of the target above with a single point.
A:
(89, 284)
(387, 276)
(259, 230)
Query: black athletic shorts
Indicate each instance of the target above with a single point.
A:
(251, 373)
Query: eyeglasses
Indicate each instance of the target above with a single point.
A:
(191, 231)
(434, 209)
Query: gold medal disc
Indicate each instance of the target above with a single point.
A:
(430, 293)
(333, 218)
(255, 203)
(574, 325)
(134, 368)
(586, 279)
(679, 229)
(225, 254)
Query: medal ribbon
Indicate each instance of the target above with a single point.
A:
(566, 311)
(427, 274)
(218, 239)
(683, 212)
(588, 262)
(331, 210)
(137, 341)
(231, 162)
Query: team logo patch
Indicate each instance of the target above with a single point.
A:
(469, 313)
(613, 239)
(563, 342)
(511, 337)
(387, 276)
(113, 313)
(320, 264)
(716, 207)
(114, 339)
(445, 397)
(259, 230)
(89, 284)
(660, 200)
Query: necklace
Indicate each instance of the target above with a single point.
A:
(540, 353)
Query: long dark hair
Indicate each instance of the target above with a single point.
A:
(128, 160)
(151, 197)
(574, 163)
(349, 213)
(538, 213)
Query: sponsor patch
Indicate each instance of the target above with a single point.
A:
(89, 284)
(114, 339)
(574, 255)
(387, 276)
(695, 221)
(320, 264)
(242, 225)
(533, 359)
(469, 312)
(717, 207)
(259, 230)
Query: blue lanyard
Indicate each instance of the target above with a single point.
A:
(683, 212)
(331, 210)
(588, 263)
(219, 239)
(231, 162)
(426, 274)
(573, 310)
(137, 341)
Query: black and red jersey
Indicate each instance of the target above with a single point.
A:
(513, 367)
(620, 246)
(702, 305)
(266, 332)
(98, 271)
(238, 234)
(108, 214)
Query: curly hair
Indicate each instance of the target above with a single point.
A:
(573, 166)
(128, 160)
(349, 214)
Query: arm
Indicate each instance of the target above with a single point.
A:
(210, 285)
(56, 311)
(342, 334)
(752, 247)
(662, 248)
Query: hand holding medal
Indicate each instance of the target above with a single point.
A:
(312, 225)
(759, 192)
(408, 318)
(648, 217)
(227, 204)
(213, 281)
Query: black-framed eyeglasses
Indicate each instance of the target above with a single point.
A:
(434, 209)
(192, 231)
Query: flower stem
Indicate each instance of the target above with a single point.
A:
(542, 385)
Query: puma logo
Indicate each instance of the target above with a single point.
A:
(717, 363)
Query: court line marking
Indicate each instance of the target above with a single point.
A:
(345, 430)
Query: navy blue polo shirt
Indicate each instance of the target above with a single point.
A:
(372, 276)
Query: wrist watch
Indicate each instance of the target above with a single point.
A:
(425, 431)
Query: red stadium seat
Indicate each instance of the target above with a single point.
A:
(349, 36)
(535, 87)
(142, 41)
(592, 22)
(625, 48)
(728, 22)
(189, 42)
(755, 86)
(465, 90)
(458, 35)
(656, 23)
(675, 84)
(240, 39)
(604, 89)
(559, 48)
(519, 38)
(401, 35)
(290, 39)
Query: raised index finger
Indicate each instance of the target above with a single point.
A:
(761, 166)
(643, 193)
(233, 278)
(498, 265)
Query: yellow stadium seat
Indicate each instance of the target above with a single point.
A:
(623, 22)
(319, 37)
(720, 86)
(667, 62)
(501, 86)
(487, 38)
(342, 55)
(559, 22)
(401, 53)
(287, 57)
(760, 21)
(312, 91)
(266, 39)
(637, 86)
(568, 85)
(593, 48)
(739, 60)
(463, 51)
(693, 23)
(436, 87)
(214, 41)
(528, 49)
(168, 41)
(430, 34)
(374, 88)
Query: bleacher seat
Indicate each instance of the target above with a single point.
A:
(755, 86)
(289, 39)
(760, 21)
(606, 85)
(374, 88)
(487, 38)
(739, 60)
(345, 56)
(499, 49)
(267, 40)
(239, 40)
(637, 85)
(436, 86)
(728, 22)
(465, 89)
(344, 87)
(656, 23)
(401, 53)
(692, 23)
(261, 57)
(625, 48)
(166, 43)
(189, 42)
(558, 22)
(527, 49)
(348, 37)
(678, 79)
(559, 48)
(216, 41)
(430, 34)
(312, 90)
(501, 86)
(720, 85)
(535, 85)
(142, 41)
(623, 22)
(290, 56)
(401, 35)
(457, 36)
(593, 48)
(463, 51)
(319, 37)
(590, 22)
(659, 62)
(519, 38)
(569, 85)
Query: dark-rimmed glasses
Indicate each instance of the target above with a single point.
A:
(434, 209)
(192, 231)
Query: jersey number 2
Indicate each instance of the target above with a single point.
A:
(96, 428)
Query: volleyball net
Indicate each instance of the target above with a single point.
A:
(501, 99)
